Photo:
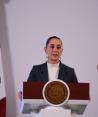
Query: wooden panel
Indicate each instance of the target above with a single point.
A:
(78, 91)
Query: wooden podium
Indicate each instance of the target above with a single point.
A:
(33, 99)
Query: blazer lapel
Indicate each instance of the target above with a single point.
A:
(45, 73)
(61, 72)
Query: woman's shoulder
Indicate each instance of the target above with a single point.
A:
(66, 66)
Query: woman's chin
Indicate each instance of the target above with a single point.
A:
(55, 60)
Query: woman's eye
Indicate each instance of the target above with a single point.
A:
(58, 47)
(52, 46)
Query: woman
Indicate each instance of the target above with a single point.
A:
(53, 68)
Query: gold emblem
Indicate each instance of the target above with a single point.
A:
(56, 92)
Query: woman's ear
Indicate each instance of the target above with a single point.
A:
(45, 49)
(62, 49)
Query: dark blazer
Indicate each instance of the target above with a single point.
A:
(39, 73)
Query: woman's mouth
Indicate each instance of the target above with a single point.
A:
(55, 55)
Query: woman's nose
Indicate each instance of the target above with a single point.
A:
(55, 48)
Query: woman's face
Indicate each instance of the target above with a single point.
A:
(54, 50)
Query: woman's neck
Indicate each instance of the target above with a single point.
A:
(53, 62)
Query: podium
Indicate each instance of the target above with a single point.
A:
(33, 99)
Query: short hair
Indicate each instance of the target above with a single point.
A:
(50, 38)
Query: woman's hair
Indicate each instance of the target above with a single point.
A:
(50, 38)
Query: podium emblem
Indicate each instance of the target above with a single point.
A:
(56, 92)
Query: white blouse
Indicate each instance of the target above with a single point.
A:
(53, 71)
